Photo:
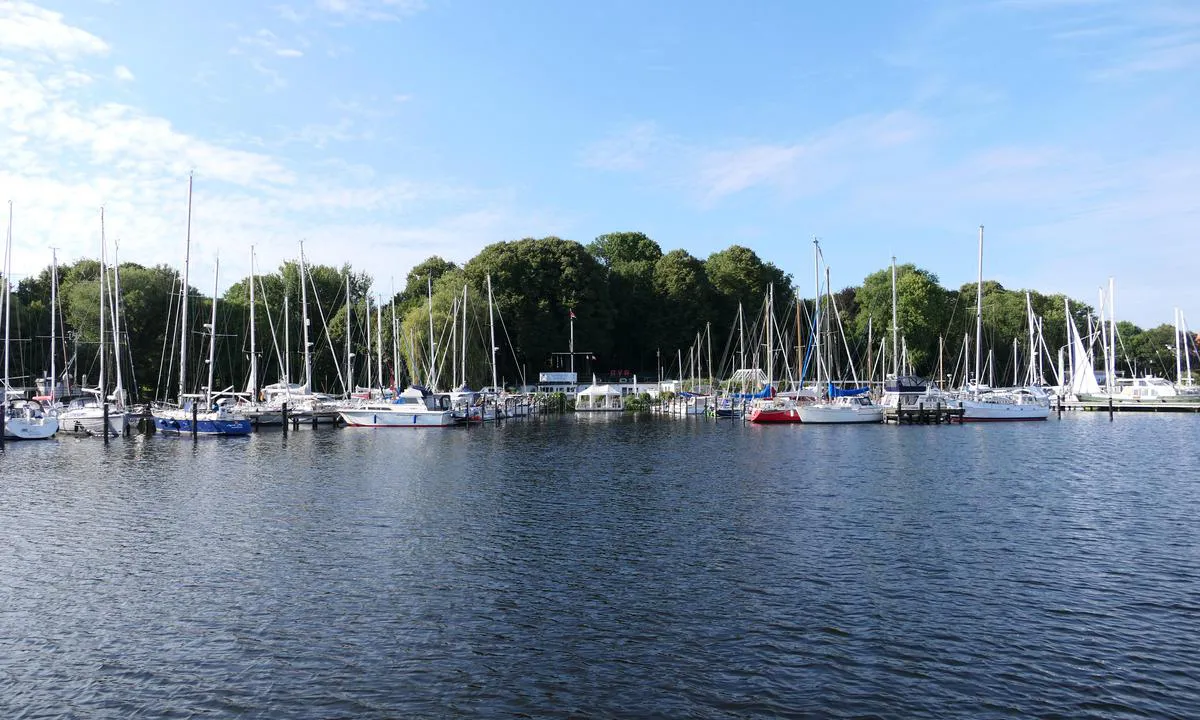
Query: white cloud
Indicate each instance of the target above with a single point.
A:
(27, 28)
(289, 53)
(123, 73)
(66, 149)
(384, 10)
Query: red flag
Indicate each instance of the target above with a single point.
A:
(572, 314)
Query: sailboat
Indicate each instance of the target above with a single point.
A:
(774, 409)
(416, 407)
(983, 404)
(22, 419)
(215, 417)
(840, 406)
(93, 413)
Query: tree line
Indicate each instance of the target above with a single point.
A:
(631, 308)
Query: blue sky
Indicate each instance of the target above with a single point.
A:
(383, 132)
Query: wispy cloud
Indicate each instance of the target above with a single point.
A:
(378, 10)
(123, 73)
(812, 164)
(25, 27)
(65, 149)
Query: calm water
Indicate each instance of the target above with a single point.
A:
(600, 567)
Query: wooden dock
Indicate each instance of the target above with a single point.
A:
(938, 414)
(1155, 406)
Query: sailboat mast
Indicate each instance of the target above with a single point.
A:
(491, 329)
(379, 343)
(102, 385)
(7, 304)
(304, 322)
(464, 332)
(212, 334)
(53, 323)
(979, 313)
(395, 343)
(252, 387)
(1033, 349)
(817, 315)
(895, 323)
(770, 349)
(367, 302)
(115, 301)
(348, 383)
(1112, 334)
(708, 332)
(287, 346)
(432, 366)
(183, 300)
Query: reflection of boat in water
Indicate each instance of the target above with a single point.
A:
(415, 407)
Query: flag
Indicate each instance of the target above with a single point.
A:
(572, 314)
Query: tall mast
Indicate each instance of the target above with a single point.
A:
(432, 365)
(817, 315)
(464, 332)
(183, 301)
(741, 339)
(770, 349)
(115, 300)
(395, 343)
(53, 322)
(379, 343)
(370, 375)
(252, 386)
(1033, 350)
(1112, 334)
(453, 358)
(895, 324)
(212, 334)
(304, 322)
(708, 332)
(348, 385)
(491, 330)
(287, 346)
(869, 371)
(1016, 365)
(7, 304)
(102, 385)
(979, 314)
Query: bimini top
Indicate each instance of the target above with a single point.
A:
(905, 384)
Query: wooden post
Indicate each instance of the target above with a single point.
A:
(195, 414)
(284, 413)
(3, 415)
(105, 427)
(1060, 404)
(1110, 408)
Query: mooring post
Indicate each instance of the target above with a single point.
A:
(284, 412)
(195, 414)
(1060, 404)
(1110, 408)
(105, 422)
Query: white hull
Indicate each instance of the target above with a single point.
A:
(976, 411)
(25, 429)
(393, 416)
(90, 421)
(840, 414)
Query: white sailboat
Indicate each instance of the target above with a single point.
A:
(983, 404)
(23, 419)
(839, 407)
(214, 417)
(95, 413)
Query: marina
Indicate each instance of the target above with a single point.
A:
(712, 568)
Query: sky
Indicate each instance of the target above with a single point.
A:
(381, 132)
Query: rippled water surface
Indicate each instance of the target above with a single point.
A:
(601, 567)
